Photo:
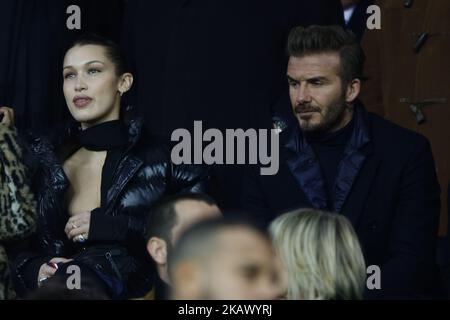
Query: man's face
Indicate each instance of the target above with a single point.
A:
(317, 96)
(190, 212)
(243, 268)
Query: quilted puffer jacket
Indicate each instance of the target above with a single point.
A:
(116, 245)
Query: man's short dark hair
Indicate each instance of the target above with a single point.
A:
(324, 39)
(113, 51)
(163, 217)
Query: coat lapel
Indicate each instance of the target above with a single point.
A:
(305, 168)
(357, 169)
(357, 162)
(128, 166)
(358, 148)
(354, 203)
(126, 170)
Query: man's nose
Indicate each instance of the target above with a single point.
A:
(303, 95)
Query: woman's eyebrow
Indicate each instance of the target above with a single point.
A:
(87, 63)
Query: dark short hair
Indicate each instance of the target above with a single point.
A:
(113, 51)
(163, 217)
(323, 39)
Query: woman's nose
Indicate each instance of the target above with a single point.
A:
(80, 85)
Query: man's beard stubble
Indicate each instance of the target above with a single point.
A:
(332, 119)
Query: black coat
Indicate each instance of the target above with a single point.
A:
(387, 188)
(143, 175)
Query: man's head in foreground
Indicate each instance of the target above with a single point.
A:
(224, 259)
(170, 218)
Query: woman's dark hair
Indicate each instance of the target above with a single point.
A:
(113, 51)
(323, 39)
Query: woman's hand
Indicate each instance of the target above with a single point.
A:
(7, 116)
(47, 270)
(77, 228)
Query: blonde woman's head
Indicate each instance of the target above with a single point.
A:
(321, 255)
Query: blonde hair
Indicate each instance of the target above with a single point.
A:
(321, 255)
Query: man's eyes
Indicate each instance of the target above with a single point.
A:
(316, 82)
(250, 273)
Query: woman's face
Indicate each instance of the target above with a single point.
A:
(91, 86)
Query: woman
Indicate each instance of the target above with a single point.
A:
(96, 183)
(321, 255)
(17, 203)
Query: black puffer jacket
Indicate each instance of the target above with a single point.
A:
(116, 246)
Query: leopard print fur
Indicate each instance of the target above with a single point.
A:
(17, 203)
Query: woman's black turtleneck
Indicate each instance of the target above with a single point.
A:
(329, 149)
(110, 136)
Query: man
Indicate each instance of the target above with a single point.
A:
(338, 157)
(166, 222)
(224, 260)
(206, 45)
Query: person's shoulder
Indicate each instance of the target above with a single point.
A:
(394, 142)
(393, 136)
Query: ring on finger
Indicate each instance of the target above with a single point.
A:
(41, 280)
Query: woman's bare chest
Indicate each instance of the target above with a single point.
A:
(84, 172)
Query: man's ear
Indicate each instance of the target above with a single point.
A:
(125, 82)
(157, 248)
(353, 89)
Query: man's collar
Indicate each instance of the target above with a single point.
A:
(361, 135)
(293, 138)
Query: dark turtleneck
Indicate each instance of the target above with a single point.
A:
(329, 149)
(110, 136)
(104, 136)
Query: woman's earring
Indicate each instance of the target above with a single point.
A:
(121, 93)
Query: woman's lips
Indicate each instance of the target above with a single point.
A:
(81, 102)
